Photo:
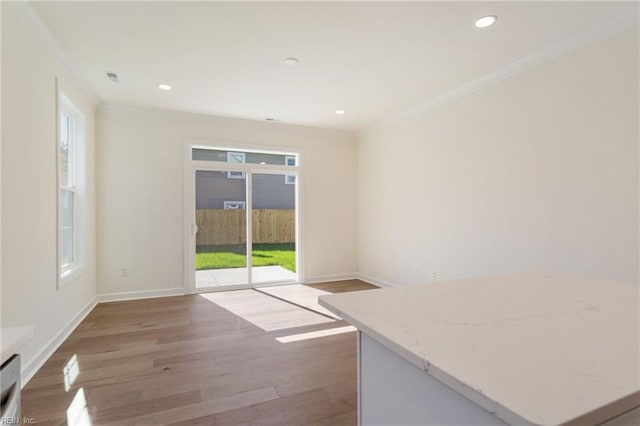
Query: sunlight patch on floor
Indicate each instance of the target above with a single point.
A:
(315, 334)
(264, 311)
(78, 413)
(71, 372)
(300, 295)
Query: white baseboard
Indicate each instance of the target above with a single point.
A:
(327, 278)
(31, 367)
(375, 281)
(135, 295)
(352, 276)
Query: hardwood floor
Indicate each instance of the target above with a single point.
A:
(188, 360)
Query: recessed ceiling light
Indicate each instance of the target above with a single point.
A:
(291, 61)
(164, 86)
(486, 21)
(339, 111)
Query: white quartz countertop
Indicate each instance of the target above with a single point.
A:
(531, 348)
(12, 339)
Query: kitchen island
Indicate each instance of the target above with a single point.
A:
(522, 349)
(12, 339)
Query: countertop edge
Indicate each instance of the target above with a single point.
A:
(12, 339)
(468, 392)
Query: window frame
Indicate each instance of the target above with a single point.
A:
(66, 273)
(236, 175)
(242, 205)
(290, 179)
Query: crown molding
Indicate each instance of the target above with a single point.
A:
(32, 20)
(614, 25)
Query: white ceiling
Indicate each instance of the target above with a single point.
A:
(370, 59)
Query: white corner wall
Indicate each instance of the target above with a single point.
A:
(29, 144)
(535, 172)
(140, 155)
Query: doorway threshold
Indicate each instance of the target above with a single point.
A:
(211, 278)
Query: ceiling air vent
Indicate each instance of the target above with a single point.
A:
(112, 76)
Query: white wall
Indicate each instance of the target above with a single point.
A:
(140, 157)
(536, 172)
(29, 143)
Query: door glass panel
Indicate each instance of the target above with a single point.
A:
(221, 237)
(273, 228)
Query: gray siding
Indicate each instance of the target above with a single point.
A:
(214, 188)
(270, 191)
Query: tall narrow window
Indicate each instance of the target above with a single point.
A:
(70, 175)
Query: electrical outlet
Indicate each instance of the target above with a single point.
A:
(417, 272)
(124, 272)
(433, 275)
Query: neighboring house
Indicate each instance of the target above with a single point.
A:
(227, 190)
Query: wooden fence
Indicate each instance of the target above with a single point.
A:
(216, 226)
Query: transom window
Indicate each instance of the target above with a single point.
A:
(246, 157)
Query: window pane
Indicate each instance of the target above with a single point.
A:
(67, 200)
(64, 150)
(64, 129)
(67, 246)
(202, 154)
(66, 203)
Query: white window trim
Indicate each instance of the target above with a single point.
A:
(189, 201)
(242, 205)
(290, 179)
(69, 272)
(290, 157)
(232, 155)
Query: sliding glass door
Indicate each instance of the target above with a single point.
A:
(244, 219)
(221, 233)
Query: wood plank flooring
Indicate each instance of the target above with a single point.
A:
(187, 360)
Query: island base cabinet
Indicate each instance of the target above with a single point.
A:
(394, 392)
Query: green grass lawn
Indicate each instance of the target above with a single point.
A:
(233, 256)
